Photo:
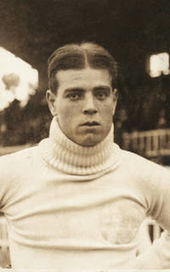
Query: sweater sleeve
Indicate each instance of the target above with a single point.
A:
(156, 189)
(5, 177)
(10, 166)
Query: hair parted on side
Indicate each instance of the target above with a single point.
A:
(79, 56)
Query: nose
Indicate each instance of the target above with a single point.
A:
(89, 106)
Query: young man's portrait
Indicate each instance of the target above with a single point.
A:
(85, 155)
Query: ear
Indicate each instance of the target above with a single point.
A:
(115, 98)
(51, 100)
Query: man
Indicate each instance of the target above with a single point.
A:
(76, 201)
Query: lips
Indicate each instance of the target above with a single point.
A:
(91, 124)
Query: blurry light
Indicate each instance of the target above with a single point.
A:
(11, 68)
(159, 64)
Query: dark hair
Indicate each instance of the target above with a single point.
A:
(79, 56)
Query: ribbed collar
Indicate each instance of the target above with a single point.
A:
(71, 158)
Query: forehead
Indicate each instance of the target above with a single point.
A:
(87, 77)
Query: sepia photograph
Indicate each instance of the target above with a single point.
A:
(84, 135)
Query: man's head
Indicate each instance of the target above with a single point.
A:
(82, 91)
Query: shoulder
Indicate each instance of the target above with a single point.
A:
(21, 153)
(13, 167)
(143, 167)
(131, 158)
(10, 161)
(150, 180)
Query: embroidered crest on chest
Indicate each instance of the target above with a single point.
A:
(120, 221)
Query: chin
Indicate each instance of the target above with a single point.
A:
(90, 141)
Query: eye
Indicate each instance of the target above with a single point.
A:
(74, 96)
(101, 95)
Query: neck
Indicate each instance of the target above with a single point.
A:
(60, 152)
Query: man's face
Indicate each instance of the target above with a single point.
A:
(84, 104)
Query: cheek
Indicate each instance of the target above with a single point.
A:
(63, 109)
(67, 113)
(107, 110)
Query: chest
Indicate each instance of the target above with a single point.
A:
(94, 212)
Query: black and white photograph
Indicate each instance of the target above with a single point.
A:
(84, 135)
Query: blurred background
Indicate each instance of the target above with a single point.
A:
(137, 34)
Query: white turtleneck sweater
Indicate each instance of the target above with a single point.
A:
(72, 208)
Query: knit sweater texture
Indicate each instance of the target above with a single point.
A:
(72, 208)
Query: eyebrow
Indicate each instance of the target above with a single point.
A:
(82, 90)
(74, 89)
(106, 88)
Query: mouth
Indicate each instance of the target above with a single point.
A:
(90, 124)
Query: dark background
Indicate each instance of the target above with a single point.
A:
(131, 30)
